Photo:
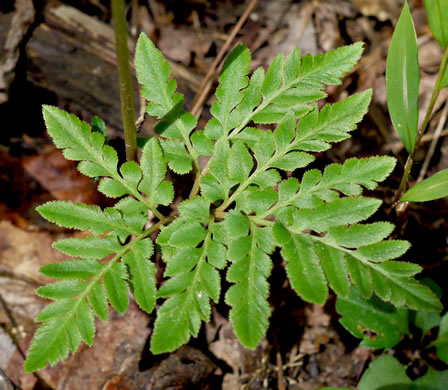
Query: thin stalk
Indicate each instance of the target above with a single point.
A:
(421, 132)
(197, 179)
(125, 78)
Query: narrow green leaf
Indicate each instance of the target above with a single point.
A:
(175, 285)
(361, 276)
(116, 287)
(293, 161)
(142, 276)
(211, 281)
(304, 271)
(354, 236)
(86, 322)
(49, 345)
(154, 171)
(84, 217)
(237, 224)
(176, 315)
(339, 212)
(97, 298)
(332, 124)
(216, 254)
(55, 309)
(230, 92)
(76, 269)
(437, 13)
(73, 336)
(384, 250)
(153, 72)
(274, 76)
(93, 247)
(434, 187)
(184, 260)
(333, 264)
(402, 79)
(248, 297)
(62, 289)
(99, 126)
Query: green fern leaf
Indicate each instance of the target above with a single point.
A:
(304, 271)
(294, 83)
(251, 266)
(154, 171)
(193, 281)
(76, 269)
(233, 80)
(81, 293)
(116, 287)
(153, 72)
(93, 247)
(85, 217)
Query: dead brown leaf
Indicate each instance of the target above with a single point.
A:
(61, 178)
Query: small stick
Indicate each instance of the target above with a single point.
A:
(397, 146)
(207, 82)
(433, 145)
(280, 376)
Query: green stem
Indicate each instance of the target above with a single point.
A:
(125, 78)
(197, 179)
(421, 132)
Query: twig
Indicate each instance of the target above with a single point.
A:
(396, 146)
(433, 145)
(280, 377)
(207, 82)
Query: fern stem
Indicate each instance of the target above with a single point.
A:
(258, 220)
(421, 132)
(197, 180)
(125, 78)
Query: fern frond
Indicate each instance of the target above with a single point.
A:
(232, 82)
(85, 217)
(251, 266)
(193, 280)
(85, 285)
(245, 210)
(153, 72)
(369, 267)
(292, 85)
(347, 178)
(79, 143)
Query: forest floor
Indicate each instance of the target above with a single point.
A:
(62, 53)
